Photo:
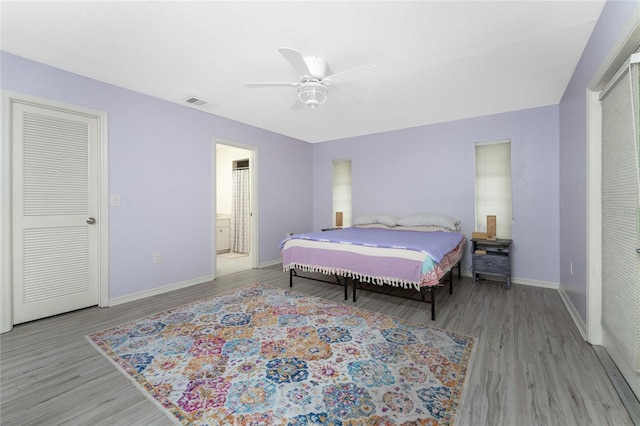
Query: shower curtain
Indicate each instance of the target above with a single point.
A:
(240, 211)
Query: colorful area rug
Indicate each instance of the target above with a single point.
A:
(266, 356)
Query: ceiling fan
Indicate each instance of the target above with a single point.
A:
(313, 87)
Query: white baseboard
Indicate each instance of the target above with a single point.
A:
(170, 287)
(535, 283)
(159, 290)
(522, 281)
(269, 263)
(582, 327)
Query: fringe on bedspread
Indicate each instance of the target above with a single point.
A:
(353, 275)
(429, 279)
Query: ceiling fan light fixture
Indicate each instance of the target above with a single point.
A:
(312, 94)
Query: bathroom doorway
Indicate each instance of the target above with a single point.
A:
(235, 201)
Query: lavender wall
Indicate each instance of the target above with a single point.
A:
(160, 165)
(573, 150)
(431, 169)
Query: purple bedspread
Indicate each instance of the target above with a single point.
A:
(435, 244)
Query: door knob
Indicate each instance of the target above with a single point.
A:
(91, 220)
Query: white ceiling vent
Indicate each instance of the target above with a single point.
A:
(195, 100)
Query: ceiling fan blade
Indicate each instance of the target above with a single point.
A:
(339, 74)
(296, 60)
(271, 84)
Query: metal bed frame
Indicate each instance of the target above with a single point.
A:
(430, 289)
(293, 273)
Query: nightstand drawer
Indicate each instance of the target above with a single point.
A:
(491, 264)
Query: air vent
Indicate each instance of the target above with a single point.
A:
(194, 100)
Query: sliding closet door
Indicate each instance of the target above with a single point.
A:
(620, 210)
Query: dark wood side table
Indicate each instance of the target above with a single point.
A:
(492, 257)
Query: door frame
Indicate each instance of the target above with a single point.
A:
(253, 166)
(6, 225)
(595, 332)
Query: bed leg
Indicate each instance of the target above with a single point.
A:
(290, 277)
(355, 285)
(433, 304)
(346, 288)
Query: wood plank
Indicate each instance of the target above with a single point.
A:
(531, 366)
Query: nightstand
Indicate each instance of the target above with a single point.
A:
(492, 257)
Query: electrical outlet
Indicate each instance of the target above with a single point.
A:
(157, 257)
(115, 201)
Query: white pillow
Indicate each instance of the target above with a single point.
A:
(365, 220)
(372, 225)
(430, 219)
(382, 219)
(430, 228)
(387, 220)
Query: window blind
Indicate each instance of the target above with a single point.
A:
(493, 186)
(342, 191)
(620, 212)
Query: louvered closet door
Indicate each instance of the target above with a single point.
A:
(54, 194)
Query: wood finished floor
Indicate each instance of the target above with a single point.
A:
(531, 366)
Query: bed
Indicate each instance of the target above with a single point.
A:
(416, 252)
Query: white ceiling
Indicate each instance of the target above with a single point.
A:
(435, 61)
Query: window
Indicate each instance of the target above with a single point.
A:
(493, 185)
(342, 191)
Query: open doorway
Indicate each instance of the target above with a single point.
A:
(235, 206)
